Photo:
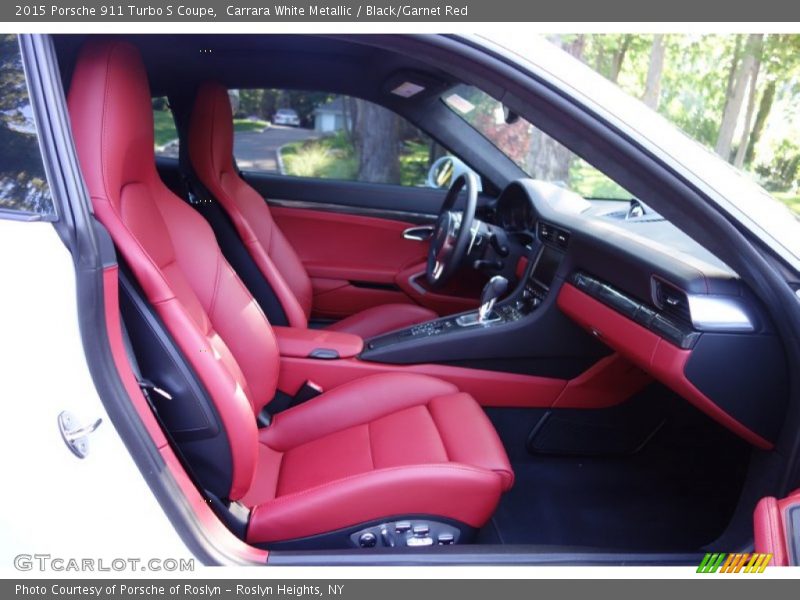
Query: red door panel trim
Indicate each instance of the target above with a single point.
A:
(770, 524)
(655, 355)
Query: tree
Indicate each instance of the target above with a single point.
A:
(652, 89)
(547, 159)
(376, 133)
(733, 102)
(764, 108)
(22, 178)
(619, 57)
(741, 151)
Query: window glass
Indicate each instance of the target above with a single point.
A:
(330, 136)
(165, 132)
(536, 153)
(23, 184)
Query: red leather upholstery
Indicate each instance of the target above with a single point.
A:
(770, 526)
(377, 446)
(211, 153)
(299, 343)
(431, 448)
(382, 319)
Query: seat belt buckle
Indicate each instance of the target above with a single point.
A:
(306, 392)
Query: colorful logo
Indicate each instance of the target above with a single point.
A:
(734, 563)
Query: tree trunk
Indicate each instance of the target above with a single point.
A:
(741, 151)
(764, 108)
(619, 57)
(737, 54)
(377, 144)
(547, 159)
(652, 89)
(734, 101)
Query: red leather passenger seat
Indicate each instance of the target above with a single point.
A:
(211, 153)
(379, 447)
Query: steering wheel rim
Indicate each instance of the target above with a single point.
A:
(451, 234)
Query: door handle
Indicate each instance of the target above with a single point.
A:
(421, 233)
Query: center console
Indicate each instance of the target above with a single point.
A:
(526, 298)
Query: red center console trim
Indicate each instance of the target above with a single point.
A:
(655, 355)
(609, 382)
(300, 343)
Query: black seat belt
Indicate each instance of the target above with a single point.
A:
(148, 389)
(233, 514)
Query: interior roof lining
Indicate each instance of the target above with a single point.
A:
(308, 62)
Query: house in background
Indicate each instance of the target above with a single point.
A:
(332, 116)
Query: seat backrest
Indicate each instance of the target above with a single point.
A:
(170, 248)
(211, 154)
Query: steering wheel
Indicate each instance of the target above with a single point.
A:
(451, 234)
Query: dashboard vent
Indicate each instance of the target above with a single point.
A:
(671, 300)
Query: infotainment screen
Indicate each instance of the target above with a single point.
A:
(546, 266)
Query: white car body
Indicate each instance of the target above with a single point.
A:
(286, 116)
(57, 504)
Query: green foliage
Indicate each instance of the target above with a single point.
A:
(249, 125)
(164, 127)
(23, 185)
(263, 103)
(694, 85)
(783, 171)
(334, 157)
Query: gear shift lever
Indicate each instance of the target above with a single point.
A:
(493, 289)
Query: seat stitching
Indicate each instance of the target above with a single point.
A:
(435, 467)
(215, 290)
(436, 427)
(369, 445)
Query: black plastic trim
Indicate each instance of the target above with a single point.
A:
(340, 538)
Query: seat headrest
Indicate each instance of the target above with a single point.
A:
(112, 117)
(211, 132)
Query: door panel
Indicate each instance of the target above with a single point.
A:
(356, 262)
(416, 204)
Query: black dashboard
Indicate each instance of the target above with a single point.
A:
(725, 355)
(590, 282)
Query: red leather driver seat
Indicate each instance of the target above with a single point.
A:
(211, 154)
(379, 447)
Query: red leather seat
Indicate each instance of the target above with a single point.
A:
(383, 446)
(211, 153)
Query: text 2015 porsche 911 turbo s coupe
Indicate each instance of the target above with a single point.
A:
(396, 334)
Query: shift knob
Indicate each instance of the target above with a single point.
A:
(493, 289)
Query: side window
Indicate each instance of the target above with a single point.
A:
(23, 184)
(165, 132)
(329, 136)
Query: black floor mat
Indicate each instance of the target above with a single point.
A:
(677, 493)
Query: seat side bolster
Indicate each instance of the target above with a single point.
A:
(450, 490)
(468, 435)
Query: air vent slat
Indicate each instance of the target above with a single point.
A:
(672, 301)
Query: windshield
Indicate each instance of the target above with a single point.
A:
(536, 153)
(736, 192)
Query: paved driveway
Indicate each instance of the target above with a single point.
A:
(259, 151)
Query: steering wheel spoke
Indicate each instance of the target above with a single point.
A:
(453, 233)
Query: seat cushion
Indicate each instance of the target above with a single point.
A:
(383, 446)
(383, 319)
